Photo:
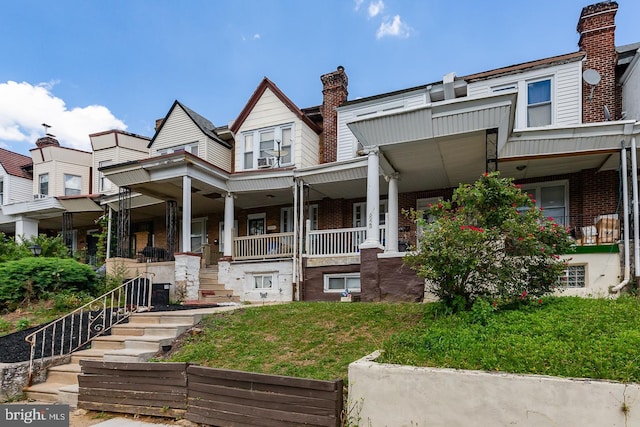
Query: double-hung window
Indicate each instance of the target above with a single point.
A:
(104, 184)
(539, 103)
(342, 282)
(553, 198)
(189, 148)
(72, 185)
(268, 147)
(43, 184)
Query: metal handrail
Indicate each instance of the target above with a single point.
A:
(76, 329)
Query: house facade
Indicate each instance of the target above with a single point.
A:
(305, 204)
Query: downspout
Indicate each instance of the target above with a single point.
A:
(625, 210)
(108, 254)
(300, 238)
(636, 213)
(294, 279)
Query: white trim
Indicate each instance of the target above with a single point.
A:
(252, 280)
(326, 277)
(277, 136)
(262, 216)
(539, 185)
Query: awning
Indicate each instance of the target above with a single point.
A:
(80, 204)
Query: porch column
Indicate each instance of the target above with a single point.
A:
(186, 214)
(392, 224)
(26, 228)
(373, 201)
(228, 225)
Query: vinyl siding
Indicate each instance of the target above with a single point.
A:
(57, 162)
(566, 92)
(116, 155)
(180, 130)
(16, 189)
(347, 143)
(268, 112)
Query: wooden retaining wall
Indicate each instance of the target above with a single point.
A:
(158, 389)
(230, 398)
(210, 396)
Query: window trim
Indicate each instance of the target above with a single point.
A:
(566, 284)
(383, 209)
(40, 176)
(65, 188)
(277, 136)
(550, 102)
(254, 276)
(326, 277)
(182, 147)
(262, 216)
(539, 185)
(103, 182)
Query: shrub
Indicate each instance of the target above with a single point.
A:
(29, 278)
(490, 241)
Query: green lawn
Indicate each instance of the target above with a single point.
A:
(569, 337)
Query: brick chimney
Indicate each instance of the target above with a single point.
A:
(47, 141)
(334, 93)
(597, 39)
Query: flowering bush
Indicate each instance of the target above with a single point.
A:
(489, 241)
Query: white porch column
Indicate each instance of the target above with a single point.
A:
(392, 223)
(373, 201)
(186, 214)
(26, 228)
(228, 225)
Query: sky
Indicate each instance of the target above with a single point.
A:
(89, 66)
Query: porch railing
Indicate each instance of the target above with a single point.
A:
(263, 246)
(73, 331)
(341, 241)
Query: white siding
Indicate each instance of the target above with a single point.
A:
(347, 144)
(58, 161)
(566, 92)
(269, 111)
(179, 129)
(631, 91)
(116, 155)
(130, 142)
(16, 189)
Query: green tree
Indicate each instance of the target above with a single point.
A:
(490, 241)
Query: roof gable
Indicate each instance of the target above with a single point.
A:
(13, 163)
(205, 126)
(258, 93)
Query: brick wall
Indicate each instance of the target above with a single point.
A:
(334, 93)
(597, 38)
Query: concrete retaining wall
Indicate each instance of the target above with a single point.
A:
(395, 395)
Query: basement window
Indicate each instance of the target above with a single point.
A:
(574, 276)
(342, 282)
(263, 281)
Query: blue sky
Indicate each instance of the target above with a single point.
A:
(90, 66)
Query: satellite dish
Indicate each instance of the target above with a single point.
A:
(592, 78)
(607, 114)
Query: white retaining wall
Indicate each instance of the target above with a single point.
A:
(395, 395)
(239, 276)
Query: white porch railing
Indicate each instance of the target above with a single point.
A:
(76, 329)
(275, 245)
(341, 241)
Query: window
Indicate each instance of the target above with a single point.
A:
(539, 103)
(256, 224)
(262, 281)
(552, 198)
(286, 220)
(43, 182)
(72, 185)
(313, 216)
(269, 145)
(423, 205)
(104, 184)
(574, 276)
(342, 282)
(359, 213)
(1, 191)
(189, 148)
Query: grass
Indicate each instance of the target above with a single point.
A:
(569, 337)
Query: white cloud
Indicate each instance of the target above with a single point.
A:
(256, 36)
(394, 28)
(24, 107)
(358, 3)
(375, 8)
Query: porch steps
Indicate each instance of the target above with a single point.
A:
(211, 291)
(136, 341)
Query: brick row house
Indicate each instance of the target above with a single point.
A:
(288, 203)
(303, 203)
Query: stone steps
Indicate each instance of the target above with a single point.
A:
(136, 341)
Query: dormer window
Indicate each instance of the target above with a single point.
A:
(189, 148)
(269, 147)
(539, 103)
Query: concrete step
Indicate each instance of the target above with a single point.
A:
(218, 298)
(69, 395)
(129, 355)
(64, 374)
(108, 342)
(46, 391)
(164, 318)
(218, 287)
(140, 329)
(92, 353)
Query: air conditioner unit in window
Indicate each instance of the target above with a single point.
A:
(39, 196)
(266, 162)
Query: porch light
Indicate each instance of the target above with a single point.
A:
(36, 250)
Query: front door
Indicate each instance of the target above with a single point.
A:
(256, 224)
(198, 234)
